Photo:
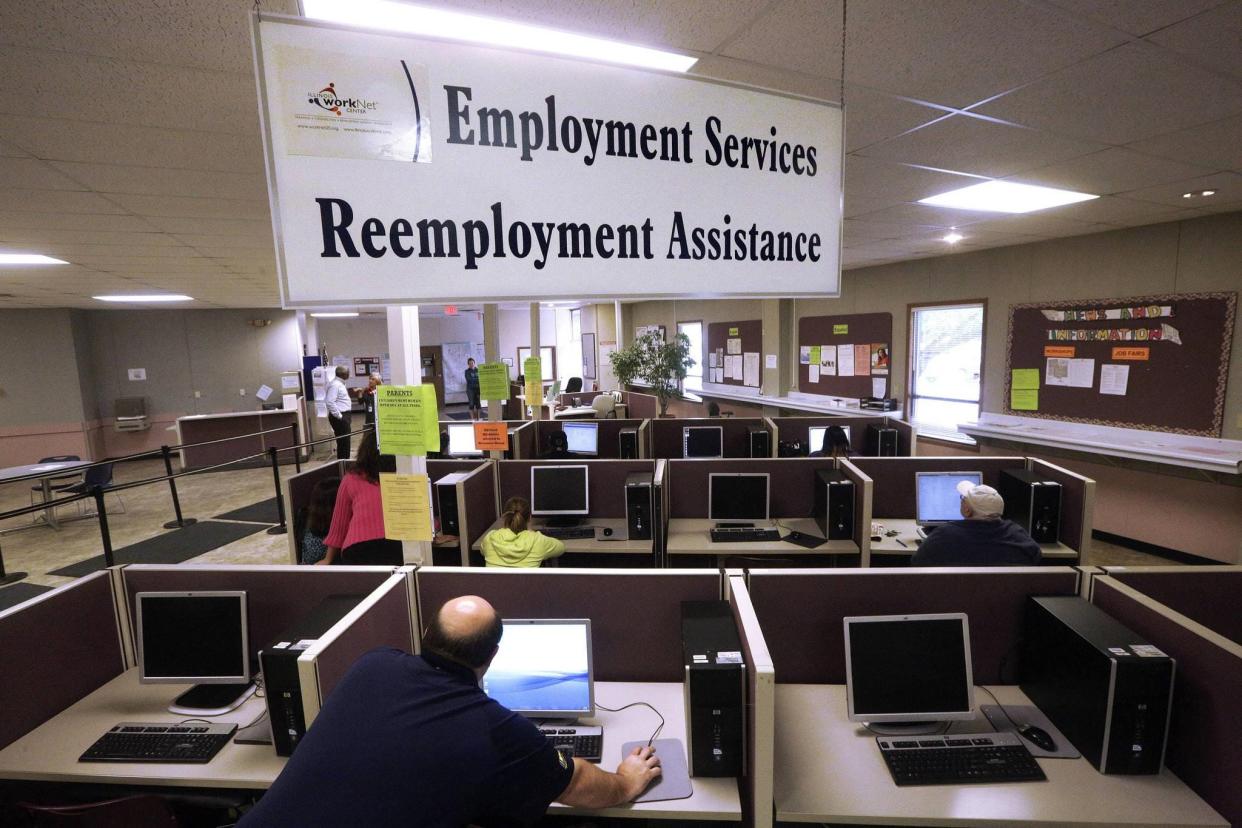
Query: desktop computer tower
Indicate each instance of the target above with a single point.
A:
(881, 441)
(446, 503)
(1032, 502)
(639, 505)
(1109, 695)
(760, 442)
(279, 663)
(833, 504)
(628, 439)
(715, 689)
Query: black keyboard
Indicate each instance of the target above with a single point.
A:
(954, 760)
(570, 533)
(585, 742)
(743, 535)
(154, 742)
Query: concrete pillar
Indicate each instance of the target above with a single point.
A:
(491, 353)
(404, 353)
(536, 411)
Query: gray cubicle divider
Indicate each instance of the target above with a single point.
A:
(639, 406)
(863, 495)
(277, 596)
(606, 484)
(1204, 728)
(798, 428)
(894, 477)
(664, 493)
(525, 441)
(735, 433)
(1077, 504)
(56, 649)
(760, 704)
(384, 618)
(1207, 595)
(635, 614)
(297, 492)
(802, 610)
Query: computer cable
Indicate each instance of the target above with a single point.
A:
(638, 704)
(999, 705)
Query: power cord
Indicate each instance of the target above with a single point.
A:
(638, 704)
(999, 705)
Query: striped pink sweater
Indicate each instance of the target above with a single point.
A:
(358, 515)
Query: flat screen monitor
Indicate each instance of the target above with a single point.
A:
(193, 637)
(737, 497)
(817, 435)
(461, 439)
(543, 668)
(582, 438)
(559, 490)
(702, 441)
(908, 668)
(935, 495)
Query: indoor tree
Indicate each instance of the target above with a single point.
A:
(664, 365)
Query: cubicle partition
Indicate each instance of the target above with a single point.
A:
(1204, 728)
(606, 484)
(1077, 504)
(639, 406)
(609, 435)
(760, 704)
(297, 492)
(894, 477)
(1208, 595)
(863, 495)
(801, 612)
(791, 429)
(477, 510)
(57, 648)
(666, 434)
(525, 441)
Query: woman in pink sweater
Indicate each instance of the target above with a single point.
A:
(357, 532)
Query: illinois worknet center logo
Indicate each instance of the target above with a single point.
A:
(349, 106)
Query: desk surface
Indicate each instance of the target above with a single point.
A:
(603, 547)
(907, 535)
(689, 536)
(42, 468)
(828, 769)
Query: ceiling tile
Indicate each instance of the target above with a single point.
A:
(75, 221)
(1218, 144)
(213, 226)
(874, 179)
(873, 116)
(924, 217)
(149, 205)
(11, 151)
(1228, 187)
(60, 238)
(803, 35)
(1213, 38)
(1125, 95)
(58, 201)
(718, 67)
(113, 178)
(1120, 211)
(1036, 224)
(32, 174)
(1113, 170)
(1137, 17)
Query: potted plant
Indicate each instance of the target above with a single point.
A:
(626, 364)
(664, 365)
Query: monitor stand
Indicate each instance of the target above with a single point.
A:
(905, 728)
(562, 521)
(211, 699)
(735, 526)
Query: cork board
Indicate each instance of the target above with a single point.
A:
(853, 330)
(749, 331)
(1169, 353)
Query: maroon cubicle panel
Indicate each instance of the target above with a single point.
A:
(57, 648)
(893, 495)
(605, 481)
(639, 406)
(609, 434)
(790, 429)
(1075, 494)
(482, 510)
(666, 434)
(1204, 728)
(1207, 595)
(791, 485)
(801, 612)
(635, 614)
(525, 442)
(387, 623)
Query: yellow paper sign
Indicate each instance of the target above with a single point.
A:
(1062, 351)
(838, 330)
(406, 500)
(1140, 354)
(532, 369)
(406, 419)
(1025, 378)
(733, 331)
(1024, 399)
(494, 381)
(491, 436)
(815, 354)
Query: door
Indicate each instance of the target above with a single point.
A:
(433, 369)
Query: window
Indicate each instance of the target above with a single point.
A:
(946, 365)
(694, 375)
(547, 358)
(568, 343)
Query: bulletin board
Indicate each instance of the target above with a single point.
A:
(822, 367)
(1159, 363)
(729, 346)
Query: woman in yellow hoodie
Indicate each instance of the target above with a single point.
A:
(513, 544)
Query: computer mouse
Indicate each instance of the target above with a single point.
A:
(1038, 737)
(607, 531)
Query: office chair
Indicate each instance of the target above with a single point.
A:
(100, 476)
(558, 445)
(605, 407)
(713, 410)
(122, 812)
(573, 385)
(60, 482)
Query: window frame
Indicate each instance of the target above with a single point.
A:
(520, 348)
(699, 359)
(911, 362)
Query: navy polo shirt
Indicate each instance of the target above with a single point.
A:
(996, 542)
(409, 740)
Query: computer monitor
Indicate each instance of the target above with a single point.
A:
(702, 441)
(461, 440)
(908, 668)
(543, 668)
(817, 434)
(581, 438)
(562, 491)
(199, 638)
(737, 497)
(935, 495)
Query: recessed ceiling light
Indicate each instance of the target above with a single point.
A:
(334, 314)
(420, 20)
(146, 297)
(1208, 193)
(28, 259)
(1005, 197)
(1188, 195)
(954, 238)
(1199, 194)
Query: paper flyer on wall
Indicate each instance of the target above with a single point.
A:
(812, 373)
(1070, 373)
(804, 355)
(845, 360)
(711, 360)
(879, 359)
(1114, 379)
(878, 387)
(862, 360)
(733, 345)
(828, 360)
(750, 369)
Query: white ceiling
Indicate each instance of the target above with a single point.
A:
(129, 138)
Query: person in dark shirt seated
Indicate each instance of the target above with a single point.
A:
(984, 538)
(413, 741)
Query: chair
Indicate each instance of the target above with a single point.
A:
(96, 476)
(59, 483)
(573, 385)
(713, 410)
(131, 414)
(122, 812)
(605, 407)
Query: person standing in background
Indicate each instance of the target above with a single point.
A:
(472, 391)
(336, 398)
(369, 396)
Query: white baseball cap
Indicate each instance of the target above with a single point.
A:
(983, 500)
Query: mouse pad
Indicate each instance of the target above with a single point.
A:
(674, 781)
(804, 540)
(1030, 714)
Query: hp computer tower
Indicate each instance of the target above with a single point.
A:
(446, 503)
(1032, 502)
(279, 663)
(881, 441)
(628, 439)
(1106, 690)
(715, 689)
(760, 442)
(639, 505)
(833, 504)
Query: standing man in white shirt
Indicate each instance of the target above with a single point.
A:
(337, 400)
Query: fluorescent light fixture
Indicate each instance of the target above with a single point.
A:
(954, 238)
(1005, 197)
(334, 315)
(1208, 193)
(421, 20)
(27, 259)
(146, 297)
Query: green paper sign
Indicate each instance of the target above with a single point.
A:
(1024, 399)
(732, 331)
(407, 419)
(838, 330)
(532, 370)
(494, 381)
(815, 352)
(1025, 378)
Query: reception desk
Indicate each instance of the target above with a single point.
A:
(199, 428)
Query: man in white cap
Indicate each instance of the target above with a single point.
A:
(983, 538)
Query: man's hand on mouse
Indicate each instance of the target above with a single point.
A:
(639, 769)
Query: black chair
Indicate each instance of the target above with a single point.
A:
(96, 476)
(713, 410)
(60, 482)
(573, 385)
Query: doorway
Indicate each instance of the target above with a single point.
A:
(432, 358)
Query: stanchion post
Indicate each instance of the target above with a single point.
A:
(280, 499)
(102, 513)
(9, 577)
(181, 522)
(297, 458)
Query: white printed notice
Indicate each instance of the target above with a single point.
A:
(845, 360)
(1070, 373)
(812, 373)
(1114, 379)
(828, 360)
(750, 369)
